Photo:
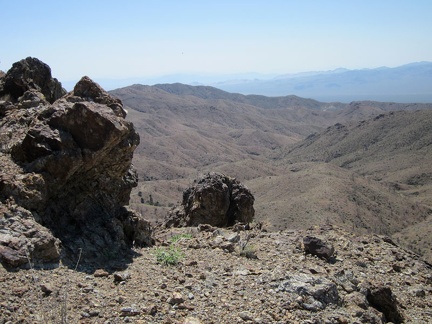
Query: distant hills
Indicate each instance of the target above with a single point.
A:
(407, 83)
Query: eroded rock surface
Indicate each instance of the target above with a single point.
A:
(66, 166)
(215, 199)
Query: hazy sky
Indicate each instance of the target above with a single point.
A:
(139, 38)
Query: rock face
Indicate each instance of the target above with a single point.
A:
(66, 166)
(217, 200)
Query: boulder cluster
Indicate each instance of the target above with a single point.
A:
(66, 172)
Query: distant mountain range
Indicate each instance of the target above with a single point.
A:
(407, 83)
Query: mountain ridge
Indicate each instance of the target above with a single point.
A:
(407, 83)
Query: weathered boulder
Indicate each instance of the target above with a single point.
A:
(91, 91)
(31, 74)
(316, 246)
(315, 292)
(215, 199)
(382, 298)
(23, 239)
(68, 165)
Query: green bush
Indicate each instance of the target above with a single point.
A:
(169, 256)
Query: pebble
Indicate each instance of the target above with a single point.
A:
(121, 276)
(129, 311)
(100, 273)
(246, 316)
(175, 299)
(192, 320)
(46, 288)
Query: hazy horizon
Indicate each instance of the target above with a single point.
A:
(147, 40)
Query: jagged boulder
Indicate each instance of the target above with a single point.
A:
(316, 293)
(316, 246)
(31, 74)
(22, 238)
(215, 199)
(382, 298)
(68, 166)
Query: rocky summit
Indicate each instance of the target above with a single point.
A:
(66, 171)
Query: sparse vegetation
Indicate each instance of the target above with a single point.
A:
(249, 252)
(178, 237)
(169, 256)
(172, 255)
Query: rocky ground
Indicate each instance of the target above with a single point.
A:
(224, 276)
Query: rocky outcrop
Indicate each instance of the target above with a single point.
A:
(31, 74)
(66, 164)
(215, 199)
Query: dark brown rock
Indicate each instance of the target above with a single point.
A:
(23, 240)
(91, 91)
(175, 299)
(68, 166)
(46, 288)
(217, 200)
(382, 298)
(31, 74)
(100, 273)
(315, 246)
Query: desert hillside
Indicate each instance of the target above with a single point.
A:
(366, 162)
(392, 149)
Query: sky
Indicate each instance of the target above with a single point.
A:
(152, 38)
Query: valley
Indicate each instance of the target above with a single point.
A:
(362, 165)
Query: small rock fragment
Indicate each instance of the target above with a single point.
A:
(191, 320)
(46, 288)
(175, 299)
(228, 246)
(246, 316)
(129, 311)
(121, 276)
(100, 273)
(151, 310)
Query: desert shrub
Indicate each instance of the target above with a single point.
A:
(169, 256)
(178, 237)
(249, 252)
